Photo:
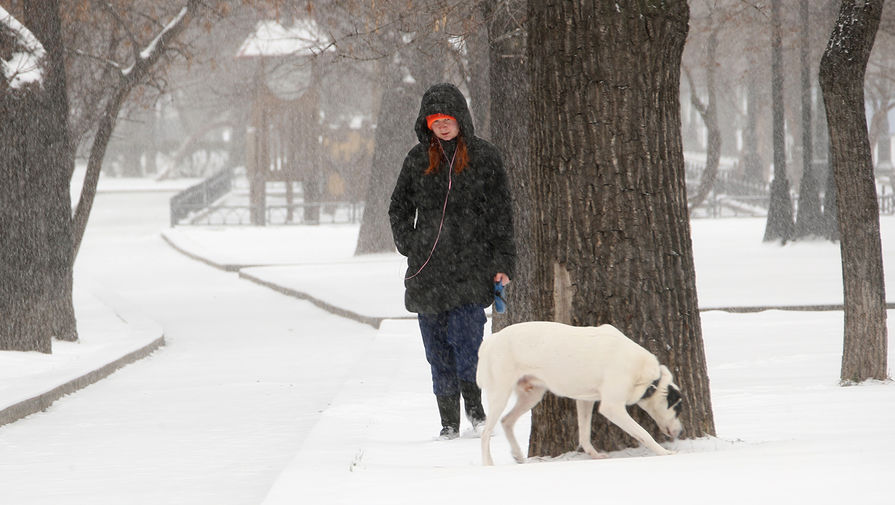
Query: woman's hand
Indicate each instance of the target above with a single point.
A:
(502, 278)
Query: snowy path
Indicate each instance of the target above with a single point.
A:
(213, 417)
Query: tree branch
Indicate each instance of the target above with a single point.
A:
(129, 79)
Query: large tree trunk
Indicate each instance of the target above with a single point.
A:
(780, 220)
(393, 138)
(614, 235)
(510, 103)
(36, 164)
(26, 285)
(478, 79)
(43, 16)
(842, 81)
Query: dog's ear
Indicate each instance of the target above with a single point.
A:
(675, 398)
(666, 373)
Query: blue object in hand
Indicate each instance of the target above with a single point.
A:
(500, 305)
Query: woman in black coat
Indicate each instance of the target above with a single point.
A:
(450, 214)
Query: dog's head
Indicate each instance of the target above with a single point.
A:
(663, 402)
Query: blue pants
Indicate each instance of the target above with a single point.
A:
(452, 341)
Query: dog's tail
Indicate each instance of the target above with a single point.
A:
(483, 370)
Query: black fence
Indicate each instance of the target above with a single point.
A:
(200, 196)
(218, 201)
(295, 214)
(739, 196)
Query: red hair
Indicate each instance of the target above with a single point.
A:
(436, 155)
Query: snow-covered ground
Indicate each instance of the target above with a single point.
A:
(262, 398)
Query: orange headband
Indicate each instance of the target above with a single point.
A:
(435, 117)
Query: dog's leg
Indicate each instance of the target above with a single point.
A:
(615, 411)
(585, 410)
(527, 396)
(497, 401)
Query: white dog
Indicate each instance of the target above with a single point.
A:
(587, 364)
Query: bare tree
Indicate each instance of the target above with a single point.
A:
(145, 54)
(413, 52)
(780, 220)
(613, 244)
(809, 217)
(842, 71)
(40, 236)
(709, 112)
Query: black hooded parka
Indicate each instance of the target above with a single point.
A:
(476, 239)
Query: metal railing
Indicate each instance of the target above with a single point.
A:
(200, 196)
(280, 214)
(887, 204)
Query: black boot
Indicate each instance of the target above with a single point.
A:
(449, 409)
(472, 400)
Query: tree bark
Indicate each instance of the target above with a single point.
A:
(43, 16)
(478, 79)
(607, 159)
(26, 172)
(38, 160)
(842, 71)
(510, 104)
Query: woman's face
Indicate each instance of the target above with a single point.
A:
(446, 129)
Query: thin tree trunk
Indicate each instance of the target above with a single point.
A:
(752, 165)
(809, 218)
(606, 153)
(780, 219)
(709, 113)
(842, 71)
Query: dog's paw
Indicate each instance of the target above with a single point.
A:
(594, 454)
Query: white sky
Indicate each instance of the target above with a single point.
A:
(273, 39)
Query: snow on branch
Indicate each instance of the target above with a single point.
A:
(153, 51)
(24, 65)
